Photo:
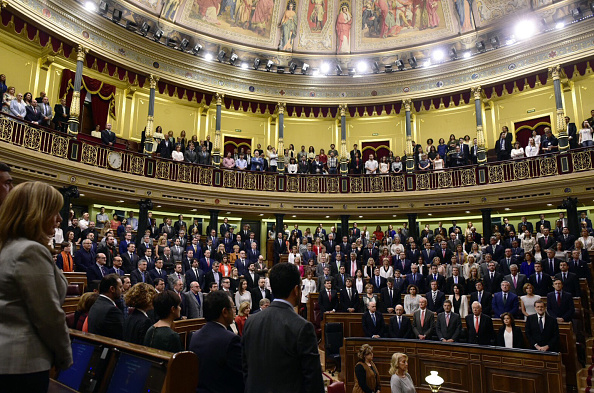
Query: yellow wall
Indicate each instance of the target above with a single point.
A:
(440, 123)
(20, 66)
(390, 128)
(319, 133)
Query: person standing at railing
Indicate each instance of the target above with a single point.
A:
(33, 113)
(532, 148)
(7, 98)
(585, 138)
(204, 157)
(257, 162)
(517, 151)
(18, 108)
(61, 115)
(549, 144)
(108, 137)
(371, 165)
(190, 155)
(503, 145)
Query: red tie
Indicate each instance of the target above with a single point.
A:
(329, 296)
(422, 318)
(476, 325)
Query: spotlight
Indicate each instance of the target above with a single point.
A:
(376, 69)
(244, 66)
(131, 25)
(197, 48)
(233, 58)
(144, 29)
(576, 13)
(338, 69)
(292, 68)
(592, 7)
(324, 68)
(467, 54)
(351, 71)
(103, 7)
(453, 54)
(221, 56)
(427, 63)
(494, 42)
(157, 35)
(480, 46)
(560, 25)
(256, 63)
(412, 61)
(208, 57)
(388, 68)
(184, 44)
(91, 6)
(280, 69)
(362, 67)
(525, 29)
(171, 42)
(269, 65)
(315, 72)
(438, 55)
(400, 65)
(304, 68)
(510, 40)
(116, 16)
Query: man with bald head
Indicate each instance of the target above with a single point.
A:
(98, 270)
(108, 136)
(423, 323)
(400, 325)
(85, 257)
(373, 322)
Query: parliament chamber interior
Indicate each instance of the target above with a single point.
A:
(425, 164)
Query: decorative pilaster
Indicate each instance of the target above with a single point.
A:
(561, 127)
(216, 146)
(280, 164)
(344, 154)
(73, 121)
(410, 159)
(481, 156)
(149, 142)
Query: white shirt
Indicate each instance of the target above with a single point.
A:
(177, 156)
(531, 151)
(371, 166)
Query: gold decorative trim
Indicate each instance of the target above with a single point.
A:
(548, 166)
(496, 174)
(521, 170)
(89, 155)
(444, 179)
(581, 161)
(423, 181)
(60, 147)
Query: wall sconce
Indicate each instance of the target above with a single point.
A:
(434, 381)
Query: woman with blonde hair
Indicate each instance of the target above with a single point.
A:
(400, 380)
(82, 309)
(242, 314)
(140, 296)
(367, 378)
(32, 290)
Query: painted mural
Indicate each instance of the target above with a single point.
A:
(288, 28)
(389, 23)
(316, 26)
(492, 10)
(317, 15)
(344, 23)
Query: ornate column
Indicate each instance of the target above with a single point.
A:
(487, 230)
(344, 154)
(280, 164)
(480, 135)
(216, 146)
(573, 221)
(410, 159)
(561, 127)
(413, 226)
(149, 142)
(73, 121)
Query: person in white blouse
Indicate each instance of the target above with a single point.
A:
(386, 270)
(411, 300)
(532, 148)
(396, 248)
(292, 167)
(528, 242)
(586, 240)
(359, 282)
(585, 138)
(243, 294)
(527, 301)
(308, 285)
(177, 155)
(17, 107)
(384, 165)
(272, 159)
(536, 138)
(371, 165)
(396, 165)
(517, 151)
(293, 254)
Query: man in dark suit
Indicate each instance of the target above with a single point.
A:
(584, 218)
(456, 279)
(253, 253)
(543, 222)
(428, 254)
(61, 115)
(505, 262)
(213, 276)
(449, 324)
(140, 274)
(390, 297)
(208, 144)
(566, 239)
(547, 241)
(251, 277)
(414, 278)
(560, 303)
(280, 247)
(270, 361)
(260, 292)
(108, 137)
(328, 298)
(483, 297)
(204, 156)
(443, 253)
(349, 298)
(377, 281)
(117, 267)
(571, 133)
(105, 318)
(492, 280)
(541, 281)
(551, 264)
(423, 323)
(479, 326)
(353, 154)
(434, 276)
(193, 301)
(528, 225)
(97, 271)
(516, 280)
(402, 263)
(130, 258)
(215, 345)
(225, 226)
(570, 280)
(194, 274)
(85, 257)
(159, 272)
(179, 224)
(497, 251)
(400, 325)
(370, 252)
(34, 115)
(435, 298)
(340, 278)
(352, 265)
(578, 266)
(505, 301)
(373, 322)
(542, 330)
(503, 145)
(165, 148)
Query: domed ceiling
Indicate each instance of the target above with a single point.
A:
(332, 26)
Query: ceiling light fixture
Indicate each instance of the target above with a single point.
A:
(269, 65)
(197, 48)
(453, 54)
(221, 56)
(412, 61)
(233, 58)
(400, 65)
(376, 69)
(467, 54)
(325, 68)
(91, 6)
(184, 44)
(157, 35)
(524, 29)
(144, 28)
(362, 67)
(438, 55)
(338, 69)
(244, 66)
(292, 68)
(304, 68)
(256, 63)
(480, 46)
(116, 16)
(208, 57)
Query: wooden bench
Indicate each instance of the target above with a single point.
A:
(352, 327)
(181, 369)
(76, 277)
(70, 304)
(465, 368)
(185, 327)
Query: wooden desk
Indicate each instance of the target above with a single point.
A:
(465, 368)
(186, 326)
(76, 277)
(70, 304)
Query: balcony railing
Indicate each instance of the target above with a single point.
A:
(57, 144)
